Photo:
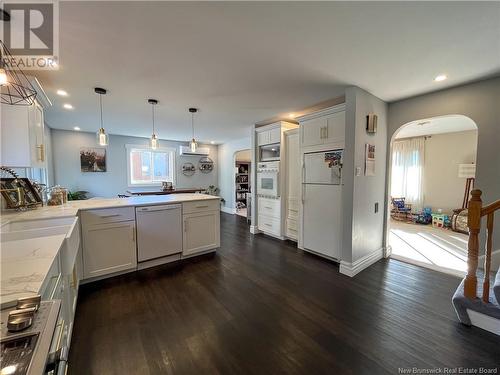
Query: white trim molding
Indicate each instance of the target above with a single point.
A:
(351, 269)
(253, 229)
(228, 210)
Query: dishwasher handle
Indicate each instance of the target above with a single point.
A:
(158, 208)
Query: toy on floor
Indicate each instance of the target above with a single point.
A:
(439, 220)
(424, 217)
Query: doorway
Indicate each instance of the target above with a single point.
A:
(431, 172)
(243, 163)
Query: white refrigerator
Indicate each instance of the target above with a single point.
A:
(322, 203)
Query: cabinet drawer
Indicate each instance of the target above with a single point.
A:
(269, 207)
(107, 215)
(270, 225)
(200, 206)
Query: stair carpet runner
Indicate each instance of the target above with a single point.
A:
(462, 303)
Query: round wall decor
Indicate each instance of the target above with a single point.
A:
(188, 169)
(206, 165)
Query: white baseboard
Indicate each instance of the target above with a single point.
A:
(254, 229)
(485, 322)
(228, 210)
(351, 269)
(387, 251)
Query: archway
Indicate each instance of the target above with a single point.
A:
(430, 162)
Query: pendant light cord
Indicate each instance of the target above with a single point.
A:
(192, 123)
(153, 112)
(100, 103)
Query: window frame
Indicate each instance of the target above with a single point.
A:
(130, 147)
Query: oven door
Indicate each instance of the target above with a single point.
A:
(267, 184)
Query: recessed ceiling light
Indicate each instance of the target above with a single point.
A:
(77, 128)
(68, 106)
(212, 142)
(291, 115)
(440, 77)
(62, 93)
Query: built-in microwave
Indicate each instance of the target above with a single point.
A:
(269, 152)
(268, 179)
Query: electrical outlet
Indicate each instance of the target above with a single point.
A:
(376, 207)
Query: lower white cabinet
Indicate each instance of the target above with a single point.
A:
(201, 232)
(108, 248)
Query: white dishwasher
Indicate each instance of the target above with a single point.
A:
(159, 231)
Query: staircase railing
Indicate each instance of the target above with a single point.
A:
(475, 213)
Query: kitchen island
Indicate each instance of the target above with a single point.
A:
(33, 241)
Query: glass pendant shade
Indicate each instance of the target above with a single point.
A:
(154, 142)
(193, 145)
(102, 137)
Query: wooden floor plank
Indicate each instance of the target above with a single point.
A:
(261, 306)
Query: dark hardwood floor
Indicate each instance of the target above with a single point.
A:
(261, 306)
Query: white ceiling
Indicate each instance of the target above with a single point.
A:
(436, 125)
(244, 62)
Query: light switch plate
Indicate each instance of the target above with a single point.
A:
(358, 171)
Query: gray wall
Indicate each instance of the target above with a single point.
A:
(479, 101)
(363, 231)
(66, 160)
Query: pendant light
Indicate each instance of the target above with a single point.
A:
(193, 145)
(154, 139)
(15, 87)
(102, 137)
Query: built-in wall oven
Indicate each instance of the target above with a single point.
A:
(268, 179)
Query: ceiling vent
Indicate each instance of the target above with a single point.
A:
(200, 151)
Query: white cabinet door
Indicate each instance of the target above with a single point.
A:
(263, 138)
(336, 128)
(201, 232)
(109, 248)
(275, 135)
(313, 131)
(15, 138)
(293, 179)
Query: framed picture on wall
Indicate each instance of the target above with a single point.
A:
(93, 159)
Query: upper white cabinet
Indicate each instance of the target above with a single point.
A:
(23, 143)
(322, 130)
(269, 136)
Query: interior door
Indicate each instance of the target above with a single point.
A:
(322, 225)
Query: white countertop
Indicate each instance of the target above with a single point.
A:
(25, 263)
(72, 207)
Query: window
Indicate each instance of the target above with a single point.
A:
(150, 167)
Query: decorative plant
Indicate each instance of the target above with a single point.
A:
(77, 195)
(212, 190)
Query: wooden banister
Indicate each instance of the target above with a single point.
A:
(474, 224)
(476, 211)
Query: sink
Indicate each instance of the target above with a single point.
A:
(22, 225)
(33, 233)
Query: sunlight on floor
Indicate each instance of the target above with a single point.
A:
(438, 248)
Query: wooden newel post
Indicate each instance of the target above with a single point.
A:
(474, 224)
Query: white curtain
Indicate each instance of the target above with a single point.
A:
(408, 171)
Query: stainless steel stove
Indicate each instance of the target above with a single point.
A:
(26, 335)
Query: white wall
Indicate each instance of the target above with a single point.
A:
(363, 231)
(443, 152)
(226, 169)
(66, 159)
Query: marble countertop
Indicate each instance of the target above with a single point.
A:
(72, 207)
(24, 266)
(25, 263)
